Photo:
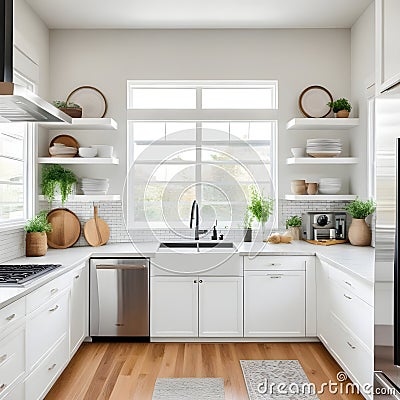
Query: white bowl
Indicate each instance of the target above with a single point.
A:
(103, 150)
(297, 151)
(87, 152)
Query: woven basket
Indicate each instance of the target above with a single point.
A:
(36, 244)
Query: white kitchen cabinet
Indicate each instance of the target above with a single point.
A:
(221, 306)
(196, 306)
(79, 307)
(45, 327)
(174, 305)
(12, 361)
(345, 321)
(387, 45)
(275, 303)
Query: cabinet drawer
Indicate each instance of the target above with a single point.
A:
(356, 286)
(355, 314)
(274, 263)
(48, 291)
(45, 328)
(42, 378)
(354, 356)
(11, 313)
(12, 359)
(18, 393)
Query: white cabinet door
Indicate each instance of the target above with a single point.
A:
(274, 304)
(174, 305)
(220, 306)
(323, 301)
(79, 308)
(388, 33)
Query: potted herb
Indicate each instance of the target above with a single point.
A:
(359, 231)
(72, 109)
(341, 107)
(36, 238)
(56, 178)
(261, 208)
(293, 226)
(248, 222)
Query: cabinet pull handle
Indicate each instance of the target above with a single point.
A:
(200, 281)
(348, 283)
(275, 264)
(195, 281)
(77, 276)
(54, 308)
(353, 347)
(347, 297)
(3, 358)
(52, 367)
(275, 277)
(2, 386)
(53, 291)
(10, 317)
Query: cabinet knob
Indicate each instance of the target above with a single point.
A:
(2, 386)
(52, 367)
(350, 345)
(10, 317)
(348, 283)
(77, 276)
(347, 297)
(200, 281)
(53, 291)
(54, 308)
(195, 281)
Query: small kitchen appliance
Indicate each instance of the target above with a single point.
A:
(320, 225)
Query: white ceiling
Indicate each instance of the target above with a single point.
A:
(129, 14)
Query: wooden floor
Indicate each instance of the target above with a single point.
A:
(122, 371)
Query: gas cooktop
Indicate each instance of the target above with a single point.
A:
(18, 275)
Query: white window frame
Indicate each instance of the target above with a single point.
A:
(29, 168)
(203, 115)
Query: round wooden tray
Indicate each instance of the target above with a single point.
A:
(66, 228)
(309, 112)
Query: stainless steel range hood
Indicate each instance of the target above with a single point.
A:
(18, 104)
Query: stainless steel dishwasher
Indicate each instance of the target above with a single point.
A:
(119, 298)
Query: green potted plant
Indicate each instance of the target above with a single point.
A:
(56, 178)
(36, 238)
(247, 224)
(293, 226)
(359, 231)
(341, 107)
(261, 208)
(72, 109)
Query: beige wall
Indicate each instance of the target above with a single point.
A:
(107, 58)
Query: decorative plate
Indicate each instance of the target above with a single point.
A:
(313, 102)
(92, 101)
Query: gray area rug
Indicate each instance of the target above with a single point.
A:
(262, 378)
(189, 388)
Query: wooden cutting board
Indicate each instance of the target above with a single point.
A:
(327, 242)
(66, 228)
(96, 230)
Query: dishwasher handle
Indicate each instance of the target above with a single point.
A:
(122, 266)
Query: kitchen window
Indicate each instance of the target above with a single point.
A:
(16, 168)
(176, 155)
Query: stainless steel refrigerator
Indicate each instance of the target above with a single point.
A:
(387, 225)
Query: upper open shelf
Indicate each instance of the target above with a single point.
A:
(105, 124)
(322, 123)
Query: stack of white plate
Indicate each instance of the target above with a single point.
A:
(324, 147)
(329, 185)
(60, 150)
(94, 186)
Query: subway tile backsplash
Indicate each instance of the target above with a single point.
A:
(12, 242)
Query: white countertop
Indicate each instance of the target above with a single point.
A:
(355, 260)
